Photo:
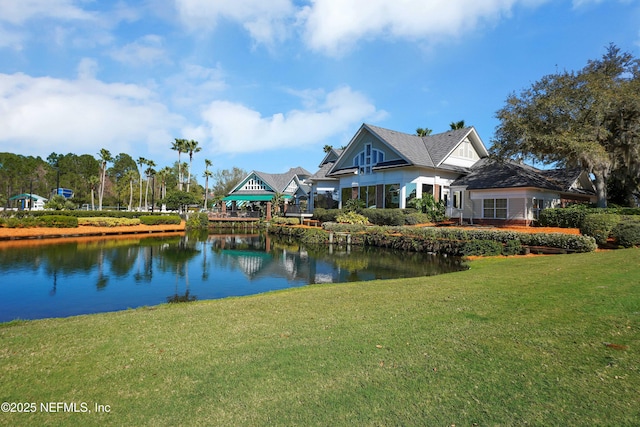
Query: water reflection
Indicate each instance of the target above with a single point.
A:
(81, 276)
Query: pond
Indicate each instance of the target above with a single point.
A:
(88, 275)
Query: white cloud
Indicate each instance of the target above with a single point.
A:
(145, 51)
(196, 85)
(18, 12)
(235, 128)
(264, 20)
(334, 27)
(581, 3)
(10, 38)
(39, 115)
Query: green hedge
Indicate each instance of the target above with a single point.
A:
(326, 215)
(285, 221)
(627, 231)
(573, 217)
(108, 222)
(80, 214)
(482, 248)
(599, 226)
(449, 241)
(58, 221)
(384, 216)
(160, 219)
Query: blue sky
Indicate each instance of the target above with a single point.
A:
(265, 84)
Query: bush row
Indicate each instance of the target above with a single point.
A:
(394, 217)
(278, 220)
(160, 219)
(573, 217)
(447, 241)
(57, 221)
(624, 229)
(80, 214)
(108, 222)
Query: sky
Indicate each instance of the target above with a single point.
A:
(265, 84)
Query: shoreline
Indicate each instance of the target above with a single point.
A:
(46, 233)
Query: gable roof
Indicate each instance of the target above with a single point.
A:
(426, 151)
(278, 182)
(491, 173)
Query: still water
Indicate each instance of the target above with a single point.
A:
(82, 276)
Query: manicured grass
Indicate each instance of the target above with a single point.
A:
(512, 341)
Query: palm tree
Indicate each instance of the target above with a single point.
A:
(149, 173)
(423, 132)
(180, 145)
(457, 125)
(163, 174)
(105, 157)
(207, 174)
(327, 148)
(192, 147)
(93, 182)
(141, 162)
(130, 176)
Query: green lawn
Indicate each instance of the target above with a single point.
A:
(512, 341)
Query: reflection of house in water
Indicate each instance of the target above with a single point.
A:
(254, 256)
(258, 258)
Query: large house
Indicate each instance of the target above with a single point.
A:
(386, 169)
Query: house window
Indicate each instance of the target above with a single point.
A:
(392, 196)
(457, 199)
(368, 195)
(494, 208)
(367, 158)
(538, 205)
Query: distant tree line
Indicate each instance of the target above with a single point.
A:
(114, 181)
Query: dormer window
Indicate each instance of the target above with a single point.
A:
(367, 159)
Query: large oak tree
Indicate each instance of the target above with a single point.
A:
(589, 118)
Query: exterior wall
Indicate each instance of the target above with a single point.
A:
(523, 204)
(406, 177)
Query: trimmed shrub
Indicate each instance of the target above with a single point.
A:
(326, 215)
(512, 247)
(108, 222)
(599, 226)
(384, 216)
(58, 221)
(279, 220)
(160, 219)
(417, 218)
(627, 232)
(571, 217)
(351, 218)
(482, 248)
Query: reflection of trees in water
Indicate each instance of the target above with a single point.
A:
(176, 257)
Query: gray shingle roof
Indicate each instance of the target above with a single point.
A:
(490, 173)
(321, 174)
(411, 147)
(279, 181)
(427, 151)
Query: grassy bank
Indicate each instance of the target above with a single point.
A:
(515, 341)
